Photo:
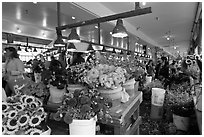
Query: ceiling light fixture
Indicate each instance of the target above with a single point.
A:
(35, 50)
(104, 49)
(143, 3)
(71, 47)
(73, 36)
(59, 42)
(90, 47)
(113, 50)
(168, 38)
(19, 48)
(119, 31)
(121, 52)
(73, 17)
(18, 30)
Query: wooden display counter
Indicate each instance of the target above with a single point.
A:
(125, 117)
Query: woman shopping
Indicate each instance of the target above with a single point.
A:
(14, 68)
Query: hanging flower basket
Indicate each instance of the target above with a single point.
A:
(83, 127)
(56, 95)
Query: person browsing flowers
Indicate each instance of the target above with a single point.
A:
(14, 67)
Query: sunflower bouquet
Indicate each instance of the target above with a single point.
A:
(83, 105)
(106, 76)
(23, 114)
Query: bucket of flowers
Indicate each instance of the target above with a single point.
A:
(81, 109)
(23, 115)
(180, 100)
(108, 79)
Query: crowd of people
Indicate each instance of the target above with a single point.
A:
(14, 68)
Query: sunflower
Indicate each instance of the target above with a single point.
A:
(12, 114)
(29, 99)
(188, 62)
(5, 106)
(43, 116)
(35, 121)
(12, 124)
(22, 98)
(39, 102)
(40, 111)
(11, 131)
(20, 107)
(23, 120)
(36, 132)
(33, 105)
(4, 130)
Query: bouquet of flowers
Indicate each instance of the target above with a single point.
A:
(83, 105)
(106, 76)
(23, 114)
(180, 99)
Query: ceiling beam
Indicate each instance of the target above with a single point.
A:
(136, 12)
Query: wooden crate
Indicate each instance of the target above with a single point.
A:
(125, 117)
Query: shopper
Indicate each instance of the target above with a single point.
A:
(150, 68)
(14, 68)
(172, 68)
(157, 68)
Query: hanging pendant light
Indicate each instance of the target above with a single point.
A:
(104, 49)
(35, 50)
(90, 47)
(129, 52)
(26, 49)
(113, 50)
(73, 36)
(71, 47)
(121, 52)
(119, 30)
(59, 42)
(19, 48)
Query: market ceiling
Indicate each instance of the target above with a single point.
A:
(168, 19)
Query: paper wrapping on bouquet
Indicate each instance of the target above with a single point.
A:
(17, 83)
(148, 79)
(158, 96)
(72, 87)
(129, 86)
(56, 95)
(182, 123)
(38, 77)
(83, 127)
(47, 132)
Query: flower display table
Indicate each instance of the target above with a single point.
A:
(125, 117)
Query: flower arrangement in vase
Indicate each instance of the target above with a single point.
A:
(23, 114)
(83, 105)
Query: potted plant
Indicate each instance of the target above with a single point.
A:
(23, 115)
(81, 109)
(180, 100)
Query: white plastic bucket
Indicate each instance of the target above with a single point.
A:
(83, 127)
(182, 123)
(158, 95)
(148, 79)
(56, 95)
